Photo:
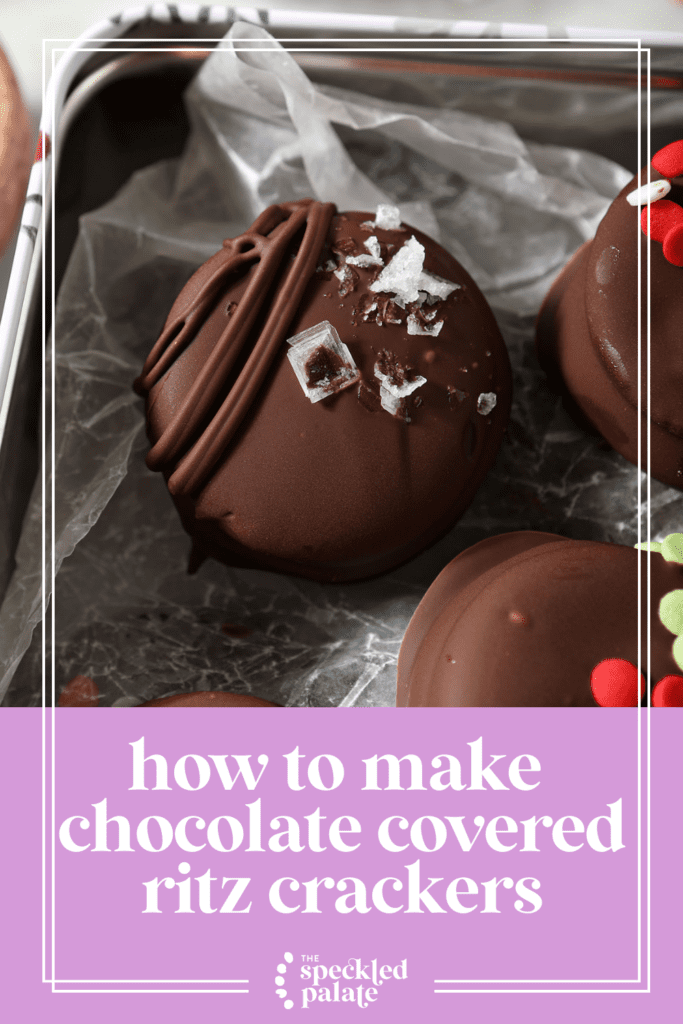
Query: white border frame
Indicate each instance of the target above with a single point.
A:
(56, 96)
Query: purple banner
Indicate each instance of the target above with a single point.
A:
(253, 864)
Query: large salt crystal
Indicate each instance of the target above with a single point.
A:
(400, 277)
(321, 361)
(415, 326)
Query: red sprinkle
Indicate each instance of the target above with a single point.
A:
(673, 245)
(669, 161)
(664, 215)
(614, 683)
(668, 693)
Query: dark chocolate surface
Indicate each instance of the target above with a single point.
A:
(522, 619)
(340, 489)
(588, 337)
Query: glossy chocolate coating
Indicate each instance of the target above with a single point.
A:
(587, 337)
(209, 699)
(339, 489)
(522, 619)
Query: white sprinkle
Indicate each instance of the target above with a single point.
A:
(486, 403)
(401, 275)
(305, 344)
(398, 390)
(649, 193)
(415, 326)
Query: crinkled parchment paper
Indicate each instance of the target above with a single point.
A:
(512, 212)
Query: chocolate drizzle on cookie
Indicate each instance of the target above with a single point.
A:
(189, 441)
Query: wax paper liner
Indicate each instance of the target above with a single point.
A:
(127, 612)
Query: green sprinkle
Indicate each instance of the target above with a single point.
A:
(671, 611)
(671, 605)
(652, 545)
(672, 548)
(677, 651)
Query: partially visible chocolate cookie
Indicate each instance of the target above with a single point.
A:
(535, 620)
(587, 333)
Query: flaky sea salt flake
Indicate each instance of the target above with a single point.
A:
(365, 260)
(393, 405)
(436, 287)
(415, 326)
(486, 403)
(347, 279)
(387, 217)
(373, 246)
(402, 390)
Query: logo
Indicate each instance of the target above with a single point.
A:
(280, 980)
(311, 982)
